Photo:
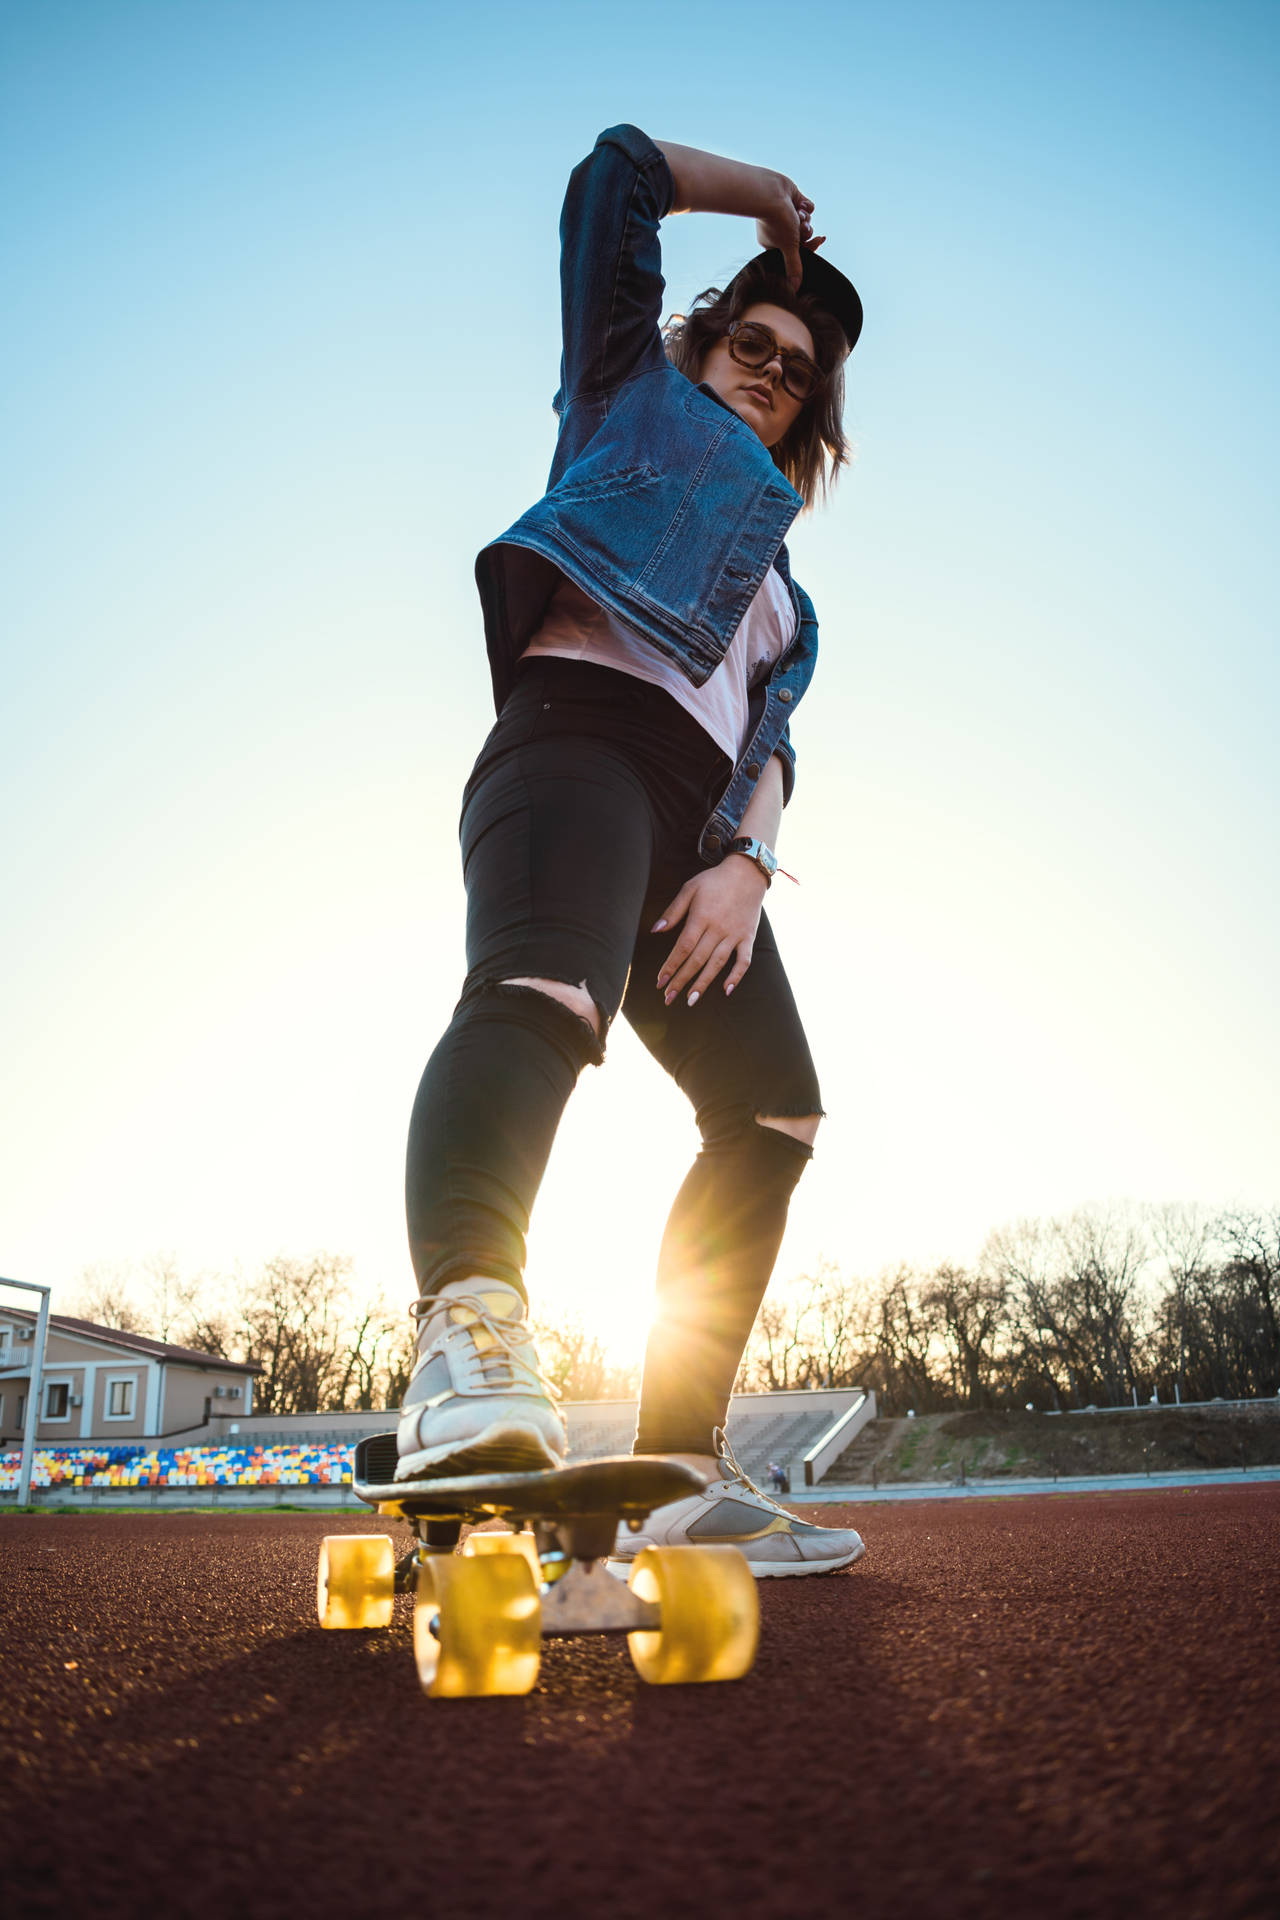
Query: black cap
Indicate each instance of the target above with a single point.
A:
(820, 279)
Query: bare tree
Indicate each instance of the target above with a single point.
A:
(1078, 1317)
(1020, 1259)
(293, 1319)
(1252, 1243)
(1184, 1236)
(576, 1361)
(969, 1312)
(110, 1297)
(1103, 1254)
(173, 1298)
(839, 1321)
(398, 1354)
(908, 1345)
(777, 1356)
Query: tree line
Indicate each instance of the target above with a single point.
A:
(323, 1346)
(1089, 1309)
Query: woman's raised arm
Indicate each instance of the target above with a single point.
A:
(708, 183)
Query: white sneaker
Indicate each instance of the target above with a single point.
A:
(477, 1402)
(732, 1512)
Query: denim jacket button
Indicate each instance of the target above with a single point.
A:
(753, 771)
(713, 841)
(785, 696)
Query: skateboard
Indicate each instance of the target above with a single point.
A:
(480, 1616)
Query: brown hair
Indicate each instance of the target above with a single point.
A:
(814, 448)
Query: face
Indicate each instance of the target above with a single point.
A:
(757, 394)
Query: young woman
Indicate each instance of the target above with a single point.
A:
(648, 647)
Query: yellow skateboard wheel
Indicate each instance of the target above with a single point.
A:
(710, 1615)
(524, 1544)
(477, 1625)
(356, 1580)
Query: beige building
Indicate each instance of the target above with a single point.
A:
(106, 1386)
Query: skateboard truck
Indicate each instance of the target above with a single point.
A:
(587, 1599)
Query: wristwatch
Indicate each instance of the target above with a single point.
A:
(761, 856)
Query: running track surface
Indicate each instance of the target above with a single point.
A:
(1064, 1705)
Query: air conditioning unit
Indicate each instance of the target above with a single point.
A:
(26, 1333)
(77, 1399)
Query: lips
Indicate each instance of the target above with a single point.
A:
(762, 394)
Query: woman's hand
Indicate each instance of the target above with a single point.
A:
(788, 225)
(721, 911)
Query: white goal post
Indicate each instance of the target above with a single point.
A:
(35, 1387)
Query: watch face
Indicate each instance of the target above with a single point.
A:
(757, 852)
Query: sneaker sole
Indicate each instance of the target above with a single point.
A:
(499, 1449)
(761, 1569)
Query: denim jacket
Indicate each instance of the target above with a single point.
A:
(662, 504)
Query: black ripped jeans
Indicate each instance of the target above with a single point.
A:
(580, 823)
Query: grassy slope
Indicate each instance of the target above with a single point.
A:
(1013, 1445)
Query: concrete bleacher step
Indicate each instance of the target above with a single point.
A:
(756, 1435)
(856, 1462)
(784, 1440)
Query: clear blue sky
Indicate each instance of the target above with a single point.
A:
(279, 343)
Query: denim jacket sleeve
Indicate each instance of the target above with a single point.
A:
(611, 283)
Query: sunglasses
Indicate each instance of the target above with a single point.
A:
(752, 345)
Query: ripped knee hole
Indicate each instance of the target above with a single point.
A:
(577, 999)
(802, 1127)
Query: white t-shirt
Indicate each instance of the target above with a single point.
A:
(576, 627)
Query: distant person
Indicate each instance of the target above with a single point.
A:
(648, 649)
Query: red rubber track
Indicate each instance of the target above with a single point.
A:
(1054, 1706)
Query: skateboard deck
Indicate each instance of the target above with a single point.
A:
(620, 1487)
(689, 1613)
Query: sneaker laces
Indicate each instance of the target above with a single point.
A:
(727, 1457)
(501, 1365)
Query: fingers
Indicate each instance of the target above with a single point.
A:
(791, 245)
(694, 963)
(738, 971)
(715, 967)
(698, 968)
(683, 961)
(789, 229)
(672, 916)
(721, 912)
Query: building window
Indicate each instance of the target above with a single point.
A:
(120, 1400)
(57, 1400)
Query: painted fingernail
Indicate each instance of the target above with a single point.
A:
(729, 989)
(662, 980)
(694, 998)
(659, 926)
(667, 998)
